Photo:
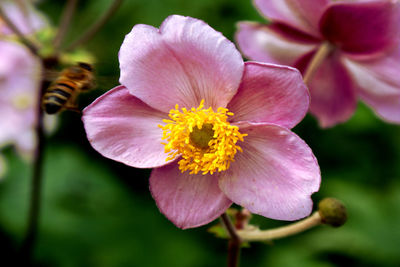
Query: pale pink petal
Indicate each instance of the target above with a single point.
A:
(379, 84)
(333, 98)
(24, 17)
(270, 93)
(273, 43)
(275, 175)
(187, 200)
(123, 128)
(301, 14)
(19, 89)
(363, 27)
(182, 63)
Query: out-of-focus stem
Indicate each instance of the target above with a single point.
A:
(323, 51)
(28, 43)
(96, 26)
(28, 242)
(66, 18)
(292, 229)
(234, 242)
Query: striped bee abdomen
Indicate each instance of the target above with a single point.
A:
(62, 93)
(57, 95)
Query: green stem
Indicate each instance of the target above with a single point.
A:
(28, 43)
(323, 51)
(66, 18)
(28, 242)
(95, 26)
(234, 242)
(249, 235)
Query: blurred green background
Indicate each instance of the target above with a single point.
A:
(97, 212)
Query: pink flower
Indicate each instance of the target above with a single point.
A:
(25, 18)
(173, 112)
(19, 89)
(364, 57)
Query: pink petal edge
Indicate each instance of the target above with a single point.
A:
(272, 94)
(350, 26)
(182, 63)
(301, 14)
(379, 84)
(332, 90)
(187, 200)
(123, 128)
(272, 44)
(275, 175)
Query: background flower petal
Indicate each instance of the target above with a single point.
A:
(27, 20)
(270, 93)
(301, 14)
(19, 88)
(362, 27)
(274, 176)
(274, 43)
(187, 200)
(379, 84)
(333, 98)
(182, 63)
(123, 128)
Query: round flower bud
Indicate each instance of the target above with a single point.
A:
(332, 212)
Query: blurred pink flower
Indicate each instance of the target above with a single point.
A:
(364, 60)
(23, 15)
(19, 88)
(173, 112)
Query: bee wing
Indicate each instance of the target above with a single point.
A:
(50, 75)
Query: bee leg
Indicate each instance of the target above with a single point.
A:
(73, 108)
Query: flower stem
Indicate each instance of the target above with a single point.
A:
(295, 228)
(28, 242)
(28, 43)
(95, 26)
(234, 242)
(66, 18)
(323, 51)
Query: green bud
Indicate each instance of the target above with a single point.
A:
(332, 212)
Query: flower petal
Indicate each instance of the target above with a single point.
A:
(301, 14)
(270, 93)
(187, 200)
(123, 128)
(25, 18)
(379, 84)
(273, 43)
(182, 63)
(362, 27)
(275, 175)
(19, 88)
(333, 98)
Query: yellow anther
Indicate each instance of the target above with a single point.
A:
(204, 139)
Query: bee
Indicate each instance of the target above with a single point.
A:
(62, 93)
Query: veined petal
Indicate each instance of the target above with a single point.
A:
(275, 175)
(270, 93)
(182, 63)
(379, 84)
(362, 27)
(188, 200)
(333, 97)
(301, 14)
(273, 43)
(123, 128)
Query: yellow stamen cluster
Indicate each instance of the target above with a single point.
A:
(203, 138)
